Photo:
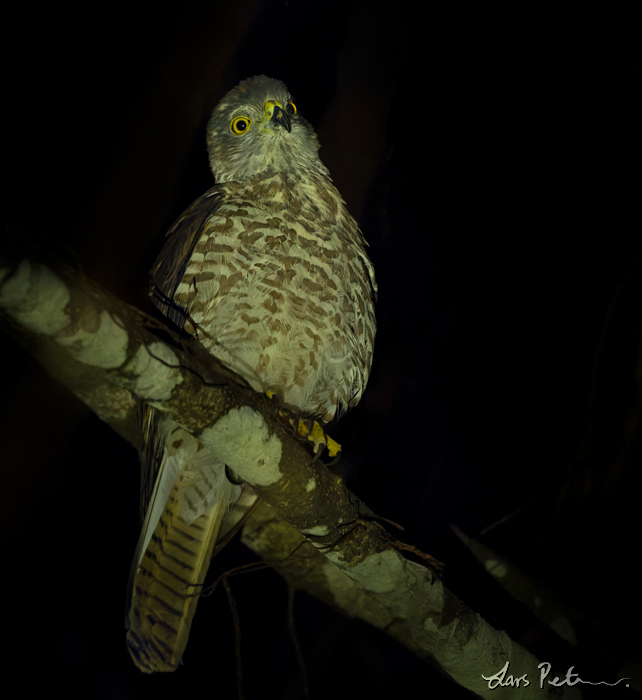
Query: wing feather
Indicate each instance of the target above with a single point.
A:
(182, 237)
(185, 495)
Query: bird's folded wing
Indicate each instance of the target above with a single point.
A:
(182, 237)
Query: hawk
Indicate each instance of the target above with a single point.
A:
(269, 272)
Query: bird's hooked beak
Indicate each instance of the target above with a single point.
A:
(277, 118)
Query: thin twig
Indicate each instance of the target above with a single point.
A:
(237, 636)
(295, 641)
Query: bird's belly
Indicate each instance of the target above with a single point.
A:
(296, 349)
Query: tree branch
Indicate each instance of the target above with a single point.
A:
(315, 532)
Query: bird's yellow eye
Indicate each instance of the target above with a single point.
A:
(290, 108)
(240, 125)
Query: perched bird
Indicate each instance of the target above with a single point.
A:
(269, 272)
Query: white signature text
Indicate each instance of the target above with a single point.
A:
(505, 679)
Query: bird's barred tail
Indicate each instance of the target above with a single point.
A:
(167, 586)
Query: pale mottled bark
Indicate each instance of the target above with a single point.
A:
(313, 529)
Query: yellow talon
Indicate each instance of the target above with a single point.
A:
(334, 448)
(315, 435)
(318, 437)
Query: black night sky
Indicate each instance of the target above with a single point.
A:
(493, 159)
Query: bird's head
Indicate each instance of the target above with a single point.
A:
(256, 128)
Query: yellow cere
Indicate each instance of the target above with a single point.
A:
(269, 107)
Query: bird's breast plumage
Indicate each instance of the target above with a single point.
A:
(279, 287)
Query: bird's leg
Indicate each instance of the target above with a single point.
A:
(312, 431)
(274, 398)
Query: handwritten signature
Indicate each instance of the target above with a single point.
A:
(504, 679)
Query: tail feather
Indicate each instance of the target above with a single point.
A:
(167, 584)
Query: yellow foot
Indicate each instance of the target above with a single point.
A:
(312, 431)
(320, 440)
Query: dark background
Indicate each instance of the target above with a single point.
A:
(492, 158)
